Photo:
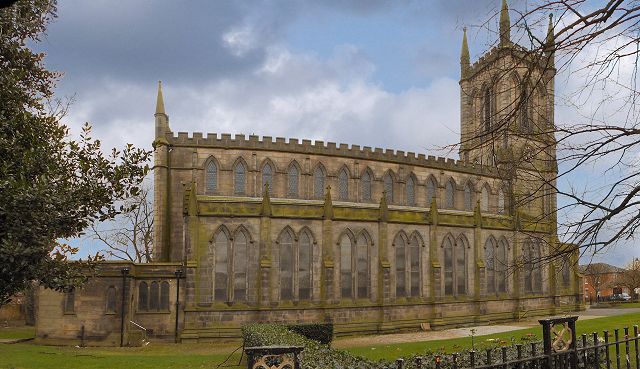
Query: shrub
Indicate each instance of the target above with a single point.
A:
(320, 332)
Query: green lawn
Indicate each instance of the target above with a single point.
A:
(154, 356)
(17, 332)
(185, 356)
(390, 352)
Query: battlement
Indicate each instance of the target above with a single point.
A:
(294, 145)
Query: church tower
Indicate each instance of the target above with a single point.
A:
(506, 107)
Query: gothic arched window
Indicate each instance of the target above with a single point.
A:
(346, 289)
(286, 266)
(490, 265)
(565, 272)
(449, 195)
(431, 190)
(487, 110)
(143, 296)
(455, 275)
(501, 208)
(501, 266)
(318, 183)
(388, 187)
(468, 197)
(110, 300)
(365, 182)
(401, 266)
(154, 296)
(293, 180)
(526, 121)
(532, 272)
(484, 199)
(267, 177)
(212, 178)
(239, 178)
(410, 188)
(305, 258)
(221, 272)
(362, 267)
(164, 296)
(240, 266)
(414, 266)
(343, 185)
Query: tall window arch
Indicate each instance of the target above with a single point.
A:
(221, 267)
(388, 187)
(154, 296)
(240, 266)
(164, 296)
(532, 267)
(495, 256)
(365, 183)
(346, 288)
(318, 182)
(484, 199)
(293, 180)
(565, 271)
(343, 185)
(455, 275)
(305, 262)
(449, 195)
(414, 265)
(286, 265)
(267, 177)
(362, 267)
(526, 99)
(211, 179)
(431, 190)
(239, 178)
(110, 307)
(501, 207)
(487, 110)
(468, 197)
(400, 246)
(143, 296)
(410, 188)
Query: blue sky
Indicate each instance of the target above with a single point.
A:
(376, 73)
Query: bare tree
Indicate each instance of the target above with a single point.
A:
(630, 277)
(131, 234)
(597, 275)
(591, 49)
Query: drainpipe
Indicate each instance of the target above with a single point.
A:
(178, 273)
(125, 272)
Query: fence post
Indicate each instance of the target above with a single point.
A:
(559, 335)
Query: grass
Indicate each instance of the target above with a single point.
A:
(154, 356)
(617, 305)
(17, 332)
(391, 352)
(202, 355)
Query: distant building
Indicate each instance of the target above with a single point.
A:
(373, 240)
(600, 281)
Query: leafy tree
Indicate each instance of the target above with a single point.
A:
(52, 186)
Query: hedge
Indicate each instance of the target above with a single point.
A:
(317, 355)
(321, 332)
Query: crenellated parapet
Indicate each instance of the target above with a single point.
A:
(294, 145)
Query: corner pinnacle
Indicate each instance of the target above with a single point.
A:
(160, 100)
(465, 60)
(505, 25)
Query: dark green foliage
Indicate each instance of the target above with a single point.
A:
(52, 186)
(317, 355)
(321, 332)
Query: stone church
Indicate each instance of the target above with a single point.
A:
(255, 229)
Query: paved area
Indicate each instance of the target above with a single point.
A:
(465, 332)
